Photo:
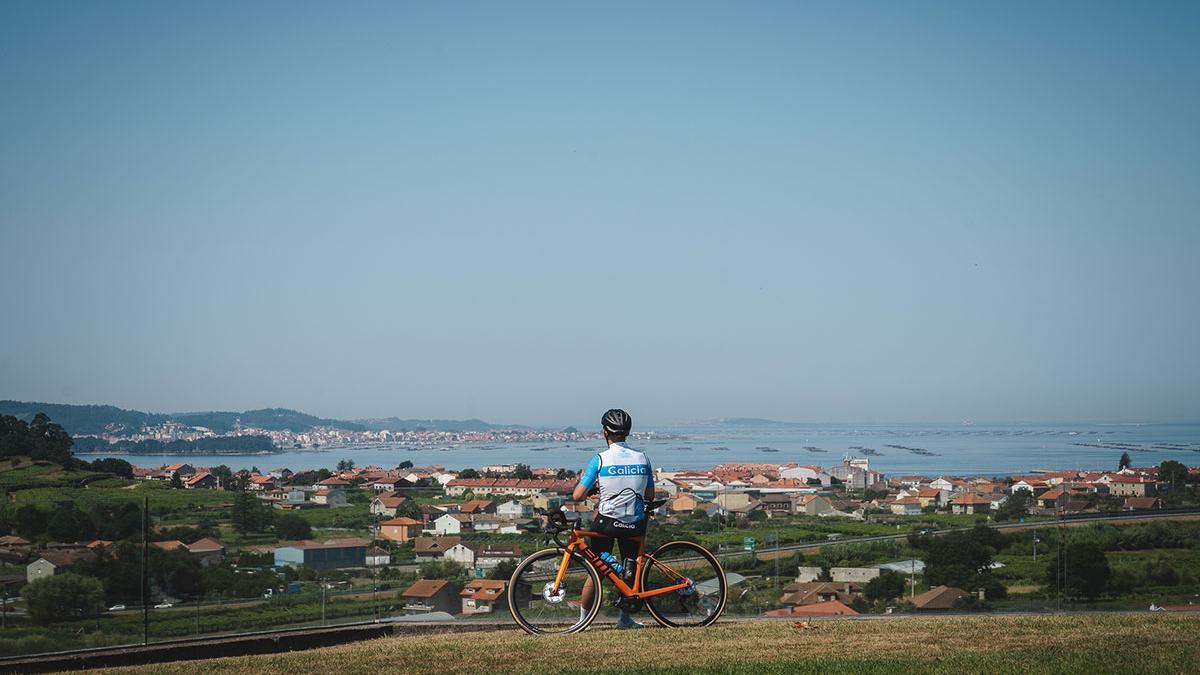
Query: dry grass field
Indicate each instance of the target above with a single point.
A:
(1117, 643)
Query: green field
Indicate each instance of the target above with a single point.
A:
(162, 497)
(1105, 643)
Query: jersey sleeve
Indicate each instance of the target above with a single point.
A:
(591, 473)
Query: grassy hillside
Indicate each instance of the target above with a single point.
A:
(1165, 643)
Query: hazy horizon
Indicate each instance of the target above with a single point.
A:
(527, 214)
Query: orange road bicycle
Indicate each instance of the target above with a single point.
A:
(679, 584)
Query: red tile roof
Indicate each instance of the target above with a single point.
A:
(425, 588)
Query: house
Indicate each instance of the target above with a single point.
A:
(815, 505)
(453, 523)
(432, 595)
(812, 592)
(260, 483)
(1053, 499)
(329, 497)
(332, 483)
(1132, 486)
(426, 549)
(171, 471)
(906, 506)
(971, 503)
(939, 598)
(777, 504)
(931, 496)
(546, 501)
(477, 507)
(378, 557)
(336, 554)
(514, 510)
(488, 556)
(56, 562)
(854, 575)
(685, 503)
(201, 481)
(169, 545)
(13, 541)
(461, 553)
(386, 506)
(482, 596)
(282, 473)
(400, 529)
(208, 551)
(1142, 503)
(827, 608)
(1035, 487)
(485, 523)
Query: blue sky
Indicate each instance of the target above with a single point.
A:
(531, 212)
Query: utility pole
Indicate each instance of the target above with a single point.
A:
(322, 602)
(912, 578)
(146, 570)
(776, 532)
(1035, 543)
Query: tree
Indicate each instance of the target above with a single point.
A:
(224, 475)
(1015, 507)
(292, 527)
(118, 467)
(523, 472)
(1087, 570)
(345, 465)
(406, 464)
(250, 514)
(68, 523)
(565, 474)
(504, 570)
(885, 586)
(960, 559)
(41, 439)
(29, 521)
(1173, 472)
(409, 509)
(468, 473)
(1124, 462)
(63, 596)
(176, 482)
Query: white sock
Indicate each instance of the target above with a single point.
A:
(582, 612)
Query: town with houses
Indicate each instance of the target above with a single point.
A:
(475, 520)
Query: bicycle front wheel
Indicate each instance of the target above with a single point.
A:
(697, 604)
(538, 608)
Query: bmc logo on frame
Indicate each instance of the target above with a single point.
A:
(626, 470)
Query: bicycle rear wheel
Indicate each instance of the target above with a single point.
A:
(701, 602)
(537, 609)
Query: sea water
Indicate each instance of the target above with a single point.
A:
(966, 449)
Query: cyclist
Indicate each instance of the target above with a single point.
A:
(625, 482)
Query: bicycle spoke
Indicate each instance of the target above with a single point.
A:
(701, 602)
(537, 607)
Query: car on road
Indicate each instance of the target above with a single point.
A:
(164, 605)
(117, 608)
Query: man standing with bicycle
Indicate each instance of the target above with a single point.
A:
(625, 482)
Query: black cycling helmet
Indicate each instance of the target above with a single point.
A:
(617, 422)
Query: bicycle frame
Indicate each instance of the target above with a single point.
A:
(578, 544)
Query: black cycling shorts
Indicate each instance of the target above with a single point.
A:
(629, 537)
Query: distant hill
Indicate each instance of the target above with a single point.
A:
(271, 419)
(743, 422)
(98, 419)
(84, 419)
(397, 424)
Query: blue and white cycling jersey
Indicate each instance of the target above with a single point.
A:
(623, 475)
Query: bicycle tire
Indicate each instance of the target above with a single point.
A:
(522, 577)
(667, 609)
